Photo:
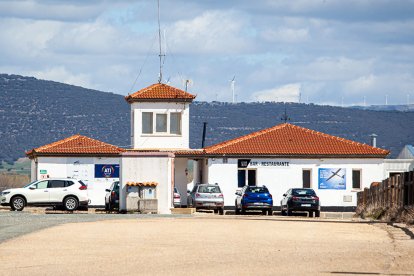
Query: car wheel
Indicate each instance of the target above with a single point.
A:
(71, 203)
(264, 212)
(317, 214)
(288, 211)
(242, 211)
(216, 211)
(236, 210)
(106, 207)
(17, 203)
(221, 211)
(270, 212)
(282, 211)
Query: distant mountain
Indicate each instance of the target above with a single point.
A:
(399, 107)
(36, 112)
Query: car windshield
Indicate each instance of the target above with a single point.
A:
(209, 189)
(307, 192)
(27, 185)
(258, 190)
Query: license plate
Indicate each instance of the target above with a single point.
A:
(306, 205)
(258, 203)
(209, 204)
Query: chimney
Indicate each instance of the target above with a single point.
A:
(204, 134)
(373, 140)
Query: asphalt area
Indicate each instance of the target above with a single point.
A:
(202, 244)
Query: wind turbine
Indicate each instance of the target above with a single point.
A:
(232, 86)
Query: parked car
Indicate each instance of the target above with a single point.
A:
(300, 199)
(67, 192)
(176, 198)
(254, 198)
(207, 196)
(112, 197)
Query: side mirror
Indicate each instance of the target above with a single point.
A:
(32, 188)
(284, 194)
(107, 190)
(238, 193)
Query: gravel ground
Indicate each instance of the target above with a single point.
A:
(208, 245)
(14, 224)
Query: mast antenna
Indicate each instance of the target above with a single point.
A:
(159, 41)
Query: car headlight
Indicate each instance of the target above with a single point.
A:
(4, 193)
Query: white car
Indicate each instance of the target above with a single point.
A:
(69, 192)
(177, 198)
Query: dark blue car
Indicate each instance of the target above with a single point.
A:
(254, 198)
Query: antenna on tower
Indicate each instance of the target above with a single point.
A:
(187, 84)
(232, 86)
(159, 41)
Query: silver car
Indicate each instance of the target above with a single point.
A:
(207, 196)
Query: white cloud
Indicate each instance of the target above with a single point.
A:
(286, 93)
(219, 32)
(61, 74)
(287, 35)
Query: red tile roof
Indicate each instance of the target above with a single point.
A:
(160, 92)
(290, 140)
(76, 145)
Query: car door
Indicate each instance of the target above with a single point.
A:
(286, 197)
(38, 192)
(239, 197)
(57, 190)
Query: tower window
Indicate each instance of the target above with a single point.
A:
(161, 123)
(175, 123)
(147, 124)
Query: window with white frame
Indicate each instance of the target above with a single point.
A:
(161, 123)
(147, 122)
(175, 123)
(356, 179)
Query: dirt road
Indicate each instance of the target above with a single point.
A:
(206, 246)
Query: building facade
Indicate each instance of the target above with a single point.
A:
(280, 157)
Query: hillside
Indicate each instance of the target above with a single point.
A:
(36, 112)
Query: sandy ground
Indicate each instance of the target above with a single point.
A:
(206, 246)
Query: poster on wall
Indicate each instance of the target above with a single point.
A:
(106, 171)
(332, 178)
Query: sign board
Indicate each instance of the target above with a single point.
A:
(106, 171)
(43, 171)
(253, 163)
(332, 178)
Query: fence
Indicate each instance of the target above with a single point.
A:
(393, 192)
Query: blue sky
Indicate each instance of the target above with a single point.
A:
(325, 51)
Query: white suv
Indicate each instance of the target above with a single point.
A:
(69, 192)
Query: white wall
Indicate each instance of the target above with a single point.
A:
(160, 140)
(150, 167)
(280, 179)
(82, 168)
(180, 178)
(397, 166)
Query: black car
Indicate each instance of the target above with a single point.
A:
(112, 197)
(300, 199)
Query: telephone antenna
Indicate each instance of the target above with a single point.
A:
(159, 41)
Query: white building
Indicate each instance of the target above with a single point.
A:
(92, 161)
(286, 156)
(280, 157)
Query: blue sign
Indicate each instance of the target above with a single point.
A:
(106, 171)
(333, 179)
